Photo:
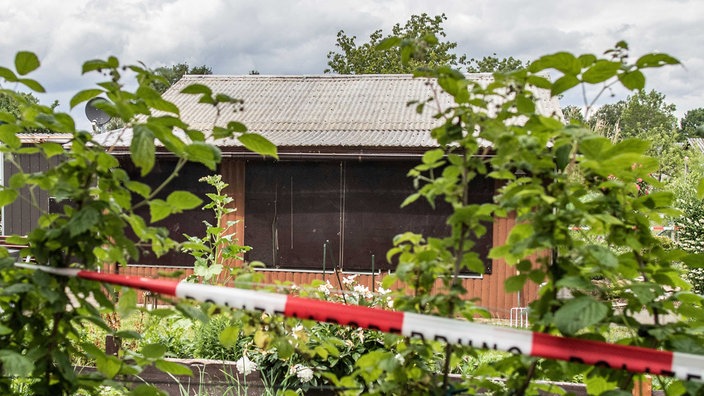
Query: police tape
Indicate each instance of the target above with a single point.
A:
(453, 331)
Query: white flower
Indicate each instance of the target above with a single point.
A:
(400, 358)
(349, 280)
(362, 291)
(383, 291)
(303, 373)
(325, 288)
(245, 366)
(390, 302)
(296, 330)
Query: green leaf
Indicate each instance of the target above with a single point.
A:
(694, 260)
(173, 368)
(146, 390)
(195, 89)
(539, 82)
(153, 351)
(83, 96)
(601, 71)
(139, 188)
(633, 80)
(562, 61)
(127, 303)
(51, 149)
(26, 62)
(142, 148)
(388, 43)
(8, 135)
(579, 313)
(237, 127)
(14, 364)
(228, 337)
(83, 220)
(587, 60)
(108, 365)
(94, 64)
(563, 84)
(158, 210)
(128, 334)
(7, 74)
(34, 85)
(207, 154)
(656, 60)
(700, 189)
(258, 144)
(7, 197)
(515, 283)
(183, 200)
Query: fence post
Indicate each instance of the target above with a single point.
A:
(642, 385)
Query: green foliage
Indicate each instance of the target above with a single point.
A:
(168, 76)
(636, 116)
(492, 64)
(219, 243)
(554, 177)
(692, 124)
(366, 59)
(41, 315)
(381, 54)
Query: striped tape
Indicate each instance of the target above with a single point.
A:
(634, 359)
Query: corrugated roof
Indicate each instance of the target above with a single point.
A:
(324, 110)
(697, 143)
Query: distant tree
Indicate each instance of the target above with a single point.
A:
(648, 116)
(366, 59)
(11, 105)
(573, 113)
(637, 116)
(692, 124)
(491, 64)
(354, 58)
(174, 73)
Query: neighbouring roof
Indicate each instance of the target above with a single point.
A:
(34, 138)
(697, 143)
(324, 110)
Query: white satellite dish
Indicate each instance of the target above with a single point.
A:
(94, 114)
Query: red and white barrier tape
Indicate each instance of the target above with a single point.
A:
(634, 359)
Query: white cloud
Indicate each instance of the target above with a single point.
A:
(293, 37)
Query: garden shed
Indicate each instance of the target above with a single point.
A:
(332, 199)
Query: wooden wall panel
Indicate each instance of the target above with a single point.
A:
(232, 171)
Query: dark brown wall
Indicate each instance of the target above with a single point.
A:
(337, 213)
(22, 215)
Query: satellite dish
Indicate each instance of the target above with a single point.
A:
(94, 114)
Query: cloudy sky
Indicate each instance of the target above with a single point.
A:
(293, 37)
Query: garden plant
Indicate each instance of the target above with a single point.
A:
(554, 177)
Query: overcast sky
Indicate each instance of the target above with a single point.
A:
(294, 37)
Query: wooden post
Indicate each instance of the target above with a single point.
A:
(642, 385)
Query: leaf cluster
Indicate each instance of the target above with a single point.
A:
(41, 316)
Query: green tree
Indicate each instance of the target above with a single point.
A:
(354, 58)
(573, 113)
(639, 115)
(367, 59)
(692, 124)
(648, 116)
(492, 64)
(11, 104)
(169, 75)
